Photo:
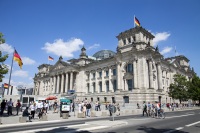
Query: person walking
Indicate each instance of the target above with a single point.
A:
(99, 105)
(144, 109)
(109, 108)
(79, 107)
(84, 110)
(33, 109)
(18, 105)
(54, 106)
(47, 105)
(118, 109)
(88, 107)
(106, 105)
(73, 106)
(149, 109)
(10, 105)
(3, 106)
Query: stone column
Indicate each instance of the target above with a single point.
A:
(150, 74)
(66, 83)
(54, 84)
(58, 83)
(62, 83)
(71, 80)
(96, 83)
(110, 80)
(103, 81)
(39, 88)
(50, 91)
(159, 76)
(118, 76)
(126, 85)
(34, 89)
(135, 85)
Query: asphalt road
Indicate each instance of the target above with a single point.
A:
(174, 122)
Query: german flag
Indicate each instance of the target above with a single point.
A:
(137, 21)
(6, 85)
(50, 58)
(17, 59)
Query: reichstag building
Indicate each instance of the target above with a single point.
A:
(136, 72)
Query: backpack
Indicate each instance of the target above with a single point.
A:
(145, 107)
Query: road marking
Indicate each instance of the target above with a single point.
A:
(76, 125)
(192, 124)
(179, 116)
(92, 128)
(20, 124)
(170, 131)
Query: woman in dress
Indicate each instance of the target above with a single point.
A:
(84, 110)
(33, 108)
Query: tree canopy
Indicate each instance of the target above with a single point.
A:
(194, 88)
(178, 89)
(3, 68)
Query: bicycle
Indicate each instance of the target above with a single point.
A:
(161, 114)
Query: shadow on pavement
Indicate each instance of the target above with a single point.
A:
(154, 130)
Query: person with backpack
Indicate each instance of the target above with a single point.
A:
(149, 109)
(144, 109)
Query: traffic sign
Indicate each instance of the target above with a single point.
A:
(113, 109)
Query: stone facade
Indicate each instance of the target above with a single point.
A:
(136, 73)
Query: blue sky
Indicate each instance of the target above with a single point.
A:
(42, 28)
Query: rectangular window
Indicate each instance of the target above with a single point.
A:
(106, 73)
(124, 42)
(163, 82)
(115, 85)
(88, 76)
(88, 88)
(93, 75)
(105, 99)
(91, 99)
(134, 39)
(94, 88)
(130, 67)
(100, 74)
(129, 40)
(114, 71)
(100, 87)
(130, 85)
(107, 86)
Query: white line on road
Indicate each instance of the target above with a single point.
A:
(192, 124)
(92, 128)
(170, 131)
(77, 125)
(179, 116)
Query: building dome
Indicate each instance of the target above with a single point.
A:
(104, 54)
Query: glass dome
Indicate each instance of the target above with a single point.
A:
(104, 54)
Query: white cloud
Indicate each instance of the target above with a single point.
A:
(27, 61)
(59, 47)
(6, 48)
(94, 46)
(20, 73)
(166, 50)
(17, 83)
(30, 78)
(160, 37)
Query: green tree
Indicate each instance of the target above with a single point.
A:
(178, 90)
(3, 68)
(194, 88)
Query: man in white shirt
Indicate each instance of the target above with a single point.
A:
(39, 106)
(10, 105)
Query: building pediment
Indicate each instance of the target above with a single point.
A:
(59, 65)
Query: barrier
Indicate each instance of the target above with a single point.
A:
(65, 115)
(121, 112)
(22, 119)
(133, 112)
(93, 114)
(127, 112)
(104, 114)
(80, 115)
(44, 118)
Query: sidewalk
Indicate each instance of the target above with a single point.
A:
(56, 116)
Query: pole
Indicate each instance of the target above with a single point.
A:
(134, 21)
(3, 90)
(74, 103)
(10, 72)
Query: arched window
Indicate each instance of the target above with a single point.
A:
(129, 40)
(94, 88)
(100, 86)
(124, 42)
(88, 88)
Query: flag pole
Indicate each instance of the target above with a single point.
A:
(10, 72)
(134, 21)
(48, 60)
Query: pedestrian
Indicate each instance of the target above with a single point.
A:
(84, 110)
(54, 106)
(47, 105)
(82, 105)
(109, 108)
(39, 106)
(33, 109)
(26, 114)
(18, 105)
(10, 105)
(88, 107)
(3, 106)
(106, 105)
(118, 108)
(157, 108)
(79, 107)
(73, 106)
(96, 105)
(149, 109)
(144, 109)
(137, 105)
(99, 105)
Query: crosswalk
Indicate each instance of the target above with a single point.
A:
(66, 129)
